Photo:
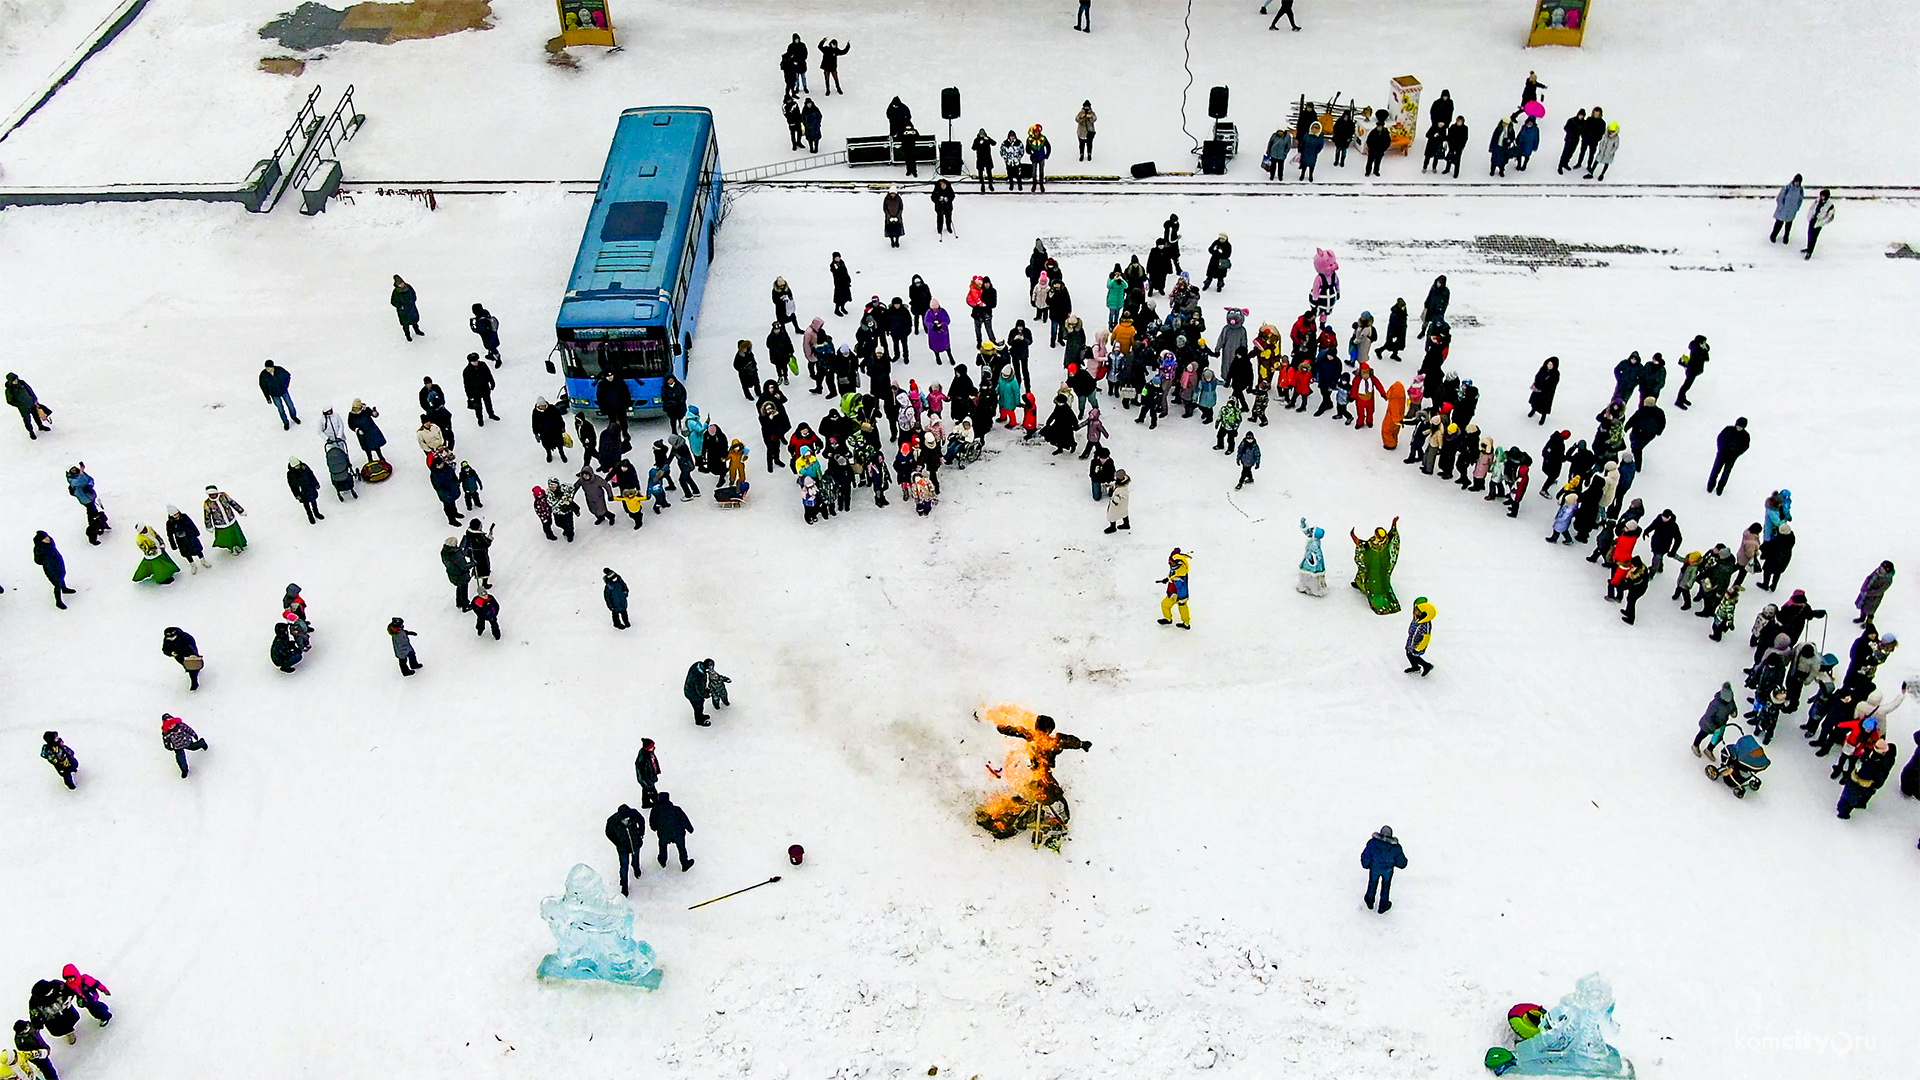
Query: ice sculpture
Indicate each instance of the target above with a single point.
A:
(1575, 1040)
(593, 935)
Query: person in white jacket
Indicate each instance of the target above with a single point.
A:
(1117, 500)
(1818, 218)
(1603, 154)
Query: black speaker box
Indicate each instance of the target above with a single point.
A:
(1213, 157)
(1144, 170)
(949, 158)
(950, 103)
(1217, 103)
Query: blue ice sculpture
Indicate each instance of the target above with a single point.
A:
(1574, 1042)
(593, 935)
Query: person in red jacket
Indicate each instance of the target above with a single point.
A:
(1620, 556)
(88, 990)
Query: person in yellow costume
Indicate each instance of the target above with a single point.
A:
(1179, 566)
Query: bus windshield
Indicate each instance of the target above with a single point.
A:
(630, 358)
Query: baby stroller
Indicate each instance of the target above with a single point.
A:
(1736, 759)
(341, 469)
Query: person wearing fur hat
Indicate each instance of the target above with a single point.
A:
(222, 514)
(1381, 857)
(1119, 496)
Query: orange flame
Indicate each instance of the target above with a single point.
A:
(1028, 773)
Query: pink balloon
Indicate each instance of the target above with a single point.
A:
(1535, 109)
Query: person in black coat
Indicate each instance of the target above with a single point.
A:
(1695, 363)
(1552, 456)
(1731, 443)
(1545, 382)
(1159, 267)
(1442, 110)
(488, 328)
(899, 118)
(1343, 132)
(1434, 311)
(646, 769)
(1663, 538)
(983, 148)
(1574, 128)
(628, 831)
(1775, 554)
(1379, 141)
(1396, 329)
(1457, 137)
(1060, 426)
(549, 425)
(1591, 132)
(794, 63)
(613, 398)
(1644, 426)
(842, 284)
(670, 828)
(695, 689)
(673, 402)
(810, 118)
(180, 646)
(942, 196)
(306, 489)
(477, 380)
(486, 613)
(830, 53)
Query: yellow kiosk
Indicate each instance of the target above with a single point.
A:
(1559, 22)
(585, 22)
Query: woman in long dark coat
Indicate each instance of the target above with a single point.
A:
(1545, 382)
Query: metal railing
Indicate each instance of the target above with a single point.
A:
(327, 139)
(292, 147)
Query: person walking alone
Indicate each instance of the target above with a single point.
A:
(403, 647)
(176, 736)
(1285, 12)
(614, 591)
(1731, 443)
(33, 415)
(47, 556)
(1381, 857)
(406, 305)
(274, 382)
(1419, 636)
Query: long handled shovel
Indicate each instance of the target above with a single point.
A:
(735, 892)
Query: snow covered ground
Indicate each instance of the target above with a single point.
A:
(352, 873)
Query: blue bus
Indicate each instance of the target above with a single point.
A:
(634, 297)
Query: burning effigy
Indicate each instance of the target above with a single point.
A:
(1030, 799)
